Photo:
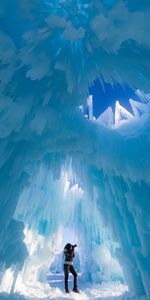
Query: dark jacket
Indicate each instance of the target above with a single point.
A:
(69, 254)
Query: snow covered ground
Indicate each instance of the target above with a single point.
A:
(39, 291)
(103, 292)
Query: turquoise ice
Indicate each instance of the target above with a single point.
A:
(63, 173)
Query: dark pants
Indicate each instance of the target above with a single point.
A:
(71, 269)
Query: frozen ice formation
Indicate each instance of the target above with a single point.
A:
(63, 175)
(122, 116)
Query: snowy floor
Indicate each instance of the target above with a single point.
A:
(55, 290)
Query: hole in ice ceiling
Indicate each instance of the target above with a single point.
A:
(106, 95)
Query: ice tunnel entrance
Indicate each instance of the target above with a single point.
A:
(57, 210)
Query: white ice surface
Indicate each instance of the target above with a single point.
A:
(105, 291)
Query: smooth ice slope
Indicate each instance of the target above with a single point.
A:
(59, 169)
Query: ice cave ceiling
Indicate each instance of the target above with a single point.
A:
(50, 53)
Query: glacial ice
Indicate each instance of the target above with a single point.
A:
(63, 173)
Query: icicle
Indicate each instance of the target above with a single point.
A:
(107, 118)
(121, 115)
(15, 275)
(90, 106)
(139, 108)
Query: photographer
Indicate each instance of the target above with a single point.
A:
(68, 266)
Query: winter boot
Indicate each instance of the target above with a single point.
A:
(75, 290)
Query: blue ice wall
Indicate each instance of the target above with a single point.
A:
(50, 51)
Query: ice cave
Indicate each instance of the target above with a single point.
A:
(75, 148)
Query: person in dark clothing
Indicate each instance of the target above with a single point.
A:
(68, 266)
